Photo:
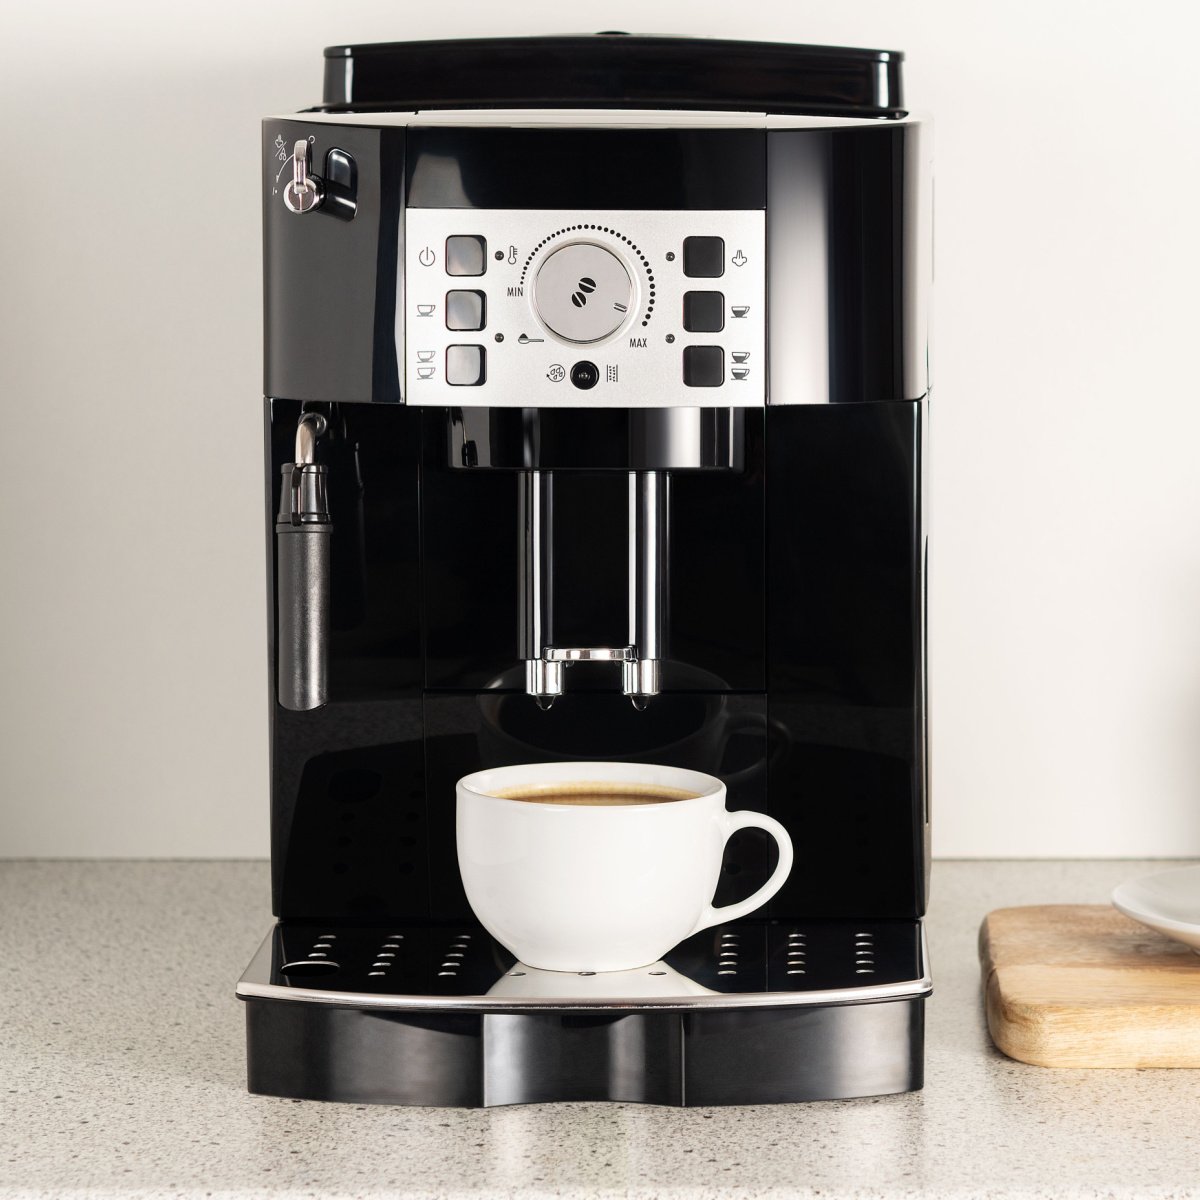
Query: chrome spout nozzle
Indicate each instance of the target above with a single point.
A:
(543, 681)
(543, 678)
(309, 427)
(641, 675)
(641, 678)
(640, 660)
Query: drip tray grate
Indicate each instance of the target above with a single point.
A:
(437, 966)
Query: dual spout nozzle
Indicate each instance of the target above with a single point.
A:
(640, 660)
(640, 677)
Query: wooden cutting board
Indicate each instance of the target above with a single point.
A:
(1081, 985)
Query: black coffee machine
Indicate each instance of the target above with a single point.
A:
(596, 410)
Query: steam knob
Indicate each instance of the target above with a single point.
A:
(583, 292)
(304, 192)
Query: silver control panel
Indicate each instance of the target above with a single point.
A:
(519, 308)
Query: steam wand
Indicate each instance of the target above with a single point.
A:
(303, 532)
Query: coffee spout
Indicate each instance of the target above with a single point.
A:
(641, 675)
(543, 681)
(641, 678)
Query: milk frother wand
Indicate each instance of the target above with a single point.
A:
(303, 532)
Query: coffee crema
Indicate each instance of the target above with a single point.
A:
(597, 794)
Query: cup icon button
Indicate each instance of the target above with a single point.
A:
(425, 355)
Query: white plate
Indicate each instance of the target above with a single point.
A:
(1168, 902)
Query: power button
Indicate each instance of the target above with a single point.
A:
(585, 375)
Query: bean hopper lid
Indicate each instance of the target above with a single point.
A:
(614, 70)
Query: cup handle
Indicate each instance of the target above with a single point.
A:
(733, 821)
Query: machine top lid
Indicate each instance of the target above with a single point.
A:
(614, 70)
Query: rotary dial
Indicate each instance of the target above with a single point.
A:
(583, 292)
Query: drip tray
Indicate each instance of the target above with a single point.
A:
(442, 966)
(437, 1014)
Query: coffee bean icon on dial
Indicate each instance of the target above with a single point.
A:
(585, 287)
(583, 292)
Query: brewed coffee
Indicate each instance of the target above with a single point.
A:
(594, 792)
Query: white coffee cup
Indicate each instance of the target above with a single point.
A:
(580, 887)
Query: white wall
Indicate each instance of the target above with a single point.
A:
(1066, 587)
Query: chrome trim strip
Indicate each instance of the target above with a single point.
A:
(255, 985)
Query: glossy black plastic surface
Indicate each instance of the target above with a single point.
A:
(748, 1056)
(613, 70)
(845, 621)
(441, 1014)
(348, 812)
(849, 200)
(496, 167)
(330, 285)
(843, 198)
(597, 439)
(796, 624)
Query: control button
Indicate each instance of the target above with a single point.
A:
(703, 366)
(704, 257)
(466, 366)
(585, 375)
(466, 310)
(427, 257)
(582, 292)
(703, 312)
(466, 255)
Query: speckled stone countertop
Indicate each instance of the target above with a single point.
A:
(121, 1074)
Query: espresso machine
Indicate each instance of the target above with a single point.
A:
(596, 411)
